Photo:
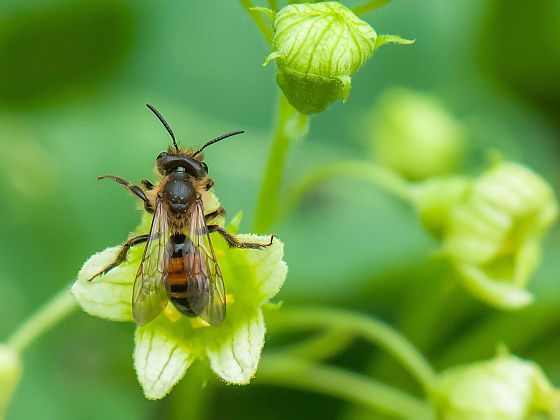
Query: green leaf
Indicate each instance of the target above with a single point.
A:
(161, 359)
(235, 354)
(269, 13)
(392, 39)
(234, 224)
(108, 296)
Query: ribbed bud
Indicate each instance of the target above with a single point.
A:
(491, 228)
(435, 200)
(318, 47)
(504, 388)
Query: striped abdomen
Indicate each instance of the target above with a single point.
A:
(186, 289)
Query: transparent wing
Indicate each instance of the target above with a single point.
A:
(151, 290)
(205, 285)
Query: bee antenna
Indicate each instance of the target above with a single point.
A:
(217, 139)
(167, 127)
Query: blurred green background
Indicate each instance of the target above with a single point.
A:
(74, 78)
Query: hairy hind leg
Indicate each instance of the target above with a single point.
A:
(220, 211)
(234, 242)
(121, 256)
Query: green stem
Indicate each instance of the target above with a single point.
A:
(290, 125)
(364, 171)
(370, 329)
(43, 320)
(321, 347)
(336, 382)
(369, 6)
(196, 391)
(259, 20)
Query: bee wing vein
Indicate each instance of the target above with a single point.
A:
(206, 285)
(151, 290)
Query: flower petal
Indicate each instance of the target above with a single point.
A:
(235, 356)
(501, 294)
(270, 269)
(160, 360)
(108, 296)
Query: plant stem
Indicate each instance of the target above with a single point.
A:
(298, 373)
(290, 125)
(195, 391)
(369, 6)
(259, 20)
(371, 329)
(364, 171)
(321, 347)
(42, 320)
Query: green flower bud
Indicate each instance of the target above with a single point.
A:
(435, 199)
(318, 47)
(10, 373)
(505, 388)
(491, 228)
(414, 135)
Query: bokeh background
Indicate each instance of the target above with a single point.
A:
(74, 78)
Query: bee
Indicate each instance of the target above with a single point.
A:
(179, 263)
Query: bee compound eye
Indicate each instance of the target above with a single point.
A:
(162, 154)
(205, 166)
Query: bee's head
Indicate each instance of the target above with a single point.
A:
(182, 161)
(168, 162)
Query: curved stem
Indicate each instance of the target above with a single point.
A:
(321, 347)
(364, 171)
(370, 329)
(297, 373)
(259, 20)
(290, 125)
(369, 6)
(43, 320)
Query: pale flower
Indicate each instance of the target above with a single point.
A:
(167, 346)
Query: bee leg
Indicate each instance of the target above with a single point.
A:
(147, 184)
(121, 256)
(213, 214)
(134, 189)
(234, 242)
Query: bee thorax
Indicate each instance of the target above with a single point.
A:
(179, 193)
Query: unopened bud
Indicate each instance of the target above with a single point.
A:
(491, 228)
(318, 47)
(414, 135)
(504, 388)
